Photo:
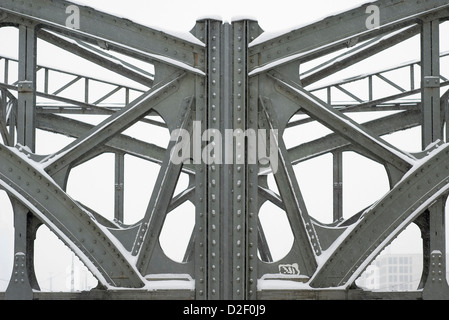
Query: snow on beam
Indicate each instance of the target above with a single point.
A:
(357, 55)
(340, 31)
(105, 257)
(290, 193)
(89, 24)
(161, 198)
(332, 142)
(346, 127)
(122, 143)
(105, 60)
(113, 125)
(380, 224)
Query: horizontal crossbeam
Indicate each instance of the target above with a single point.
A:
(116, 33)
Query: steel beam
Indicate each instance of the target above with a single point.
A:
(115, 33)
(215, 93)
(119, 144)
(39, 194)
(245, 204)
(356, 55)
(115, 124)
(8, 106)
(98, 57)
(26, 111)
(432, 129)
(346, 127)
(226, 80)
(434, 245)
(201, 230)
(338, 185)
(302, 227)
(338, 32)
(151, 225)
(19, 287)
(119, 195)
(26, 136)
(333, 142)
(378, 225)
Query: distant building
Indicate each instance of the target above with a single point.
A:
(393, 272)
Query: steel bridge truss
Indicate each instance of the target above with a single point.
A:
(228, 79)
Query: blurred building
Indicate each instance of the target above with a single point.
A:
(393, 272)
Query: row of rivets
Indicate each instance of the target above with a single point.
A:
(19, 270)
(214, 169)
(437, 267)
(239, 184)
(252, 176)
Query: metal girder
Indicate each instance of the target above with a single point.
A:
(119, 143)
(8, 109)
(69, 105)
(115, 33)
(430, 80)
(99, 57)
(356, 55)
(26, 100)
(378, 225)
(116, 123)
(338, 32)
(227, 81)
(333, 142)
(166, 182)
(346, 127)
(384, 75)
(309, 246)
(38, 192)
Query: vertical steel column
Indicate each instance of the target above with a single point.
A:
(338, 185)
(434, 249)
(207, 158)
(19, 287)
(430, 82)
(214, 121)
(26, 112)
(227, 203)
(227, 182)
(23, 278)
(119, 187)
(436, 286)
(239, 197)
(200, 231)
(252, 31)
(245, 173)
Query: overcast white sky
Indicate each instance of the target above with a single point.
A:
(180, 16)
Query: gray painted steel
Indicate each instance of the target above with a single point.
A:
(227, 80)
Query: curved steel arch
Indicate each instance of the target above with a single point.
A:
(230, 77)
